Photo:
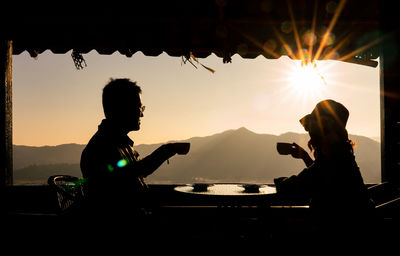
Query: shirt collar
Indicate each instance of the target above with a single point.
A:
(111, 130)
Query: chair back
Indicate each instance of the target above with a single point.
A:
(383, 192)
(69, 192)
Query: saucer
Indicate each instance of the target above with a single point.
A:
(251, 188)
(201, 187)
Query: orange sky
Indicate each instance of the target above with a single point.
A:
(54, 103)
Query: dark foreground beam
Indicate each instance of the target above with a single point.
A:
(6, 113)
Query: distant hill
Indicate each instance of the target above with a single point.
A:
(232, 156)
(28, 155)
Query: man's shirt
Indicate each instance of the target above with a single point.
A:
(110, 165)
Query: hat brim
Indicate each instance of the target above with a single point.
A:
(305, 120)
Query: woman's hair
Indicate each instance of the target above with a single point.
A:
(336, 138)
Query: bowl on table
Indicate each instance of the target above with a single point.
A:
(251, 188)
(201, 187)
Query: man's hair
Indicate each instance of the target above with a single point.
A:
(117, 93)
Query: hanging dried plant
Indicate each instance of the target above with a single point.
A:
(190, 58)
(78, 59)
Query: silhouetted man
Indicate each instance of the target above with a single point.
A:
(114, 173)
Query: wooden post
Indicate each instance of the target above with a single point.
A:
(390, 114)
(390, 95)
(6, 148)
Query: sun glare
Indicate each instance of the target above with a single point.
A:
(305, 80)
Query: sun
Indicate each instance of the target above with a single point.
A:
(305, 80)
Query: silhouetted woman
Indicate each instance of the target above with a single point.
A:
(333, 182)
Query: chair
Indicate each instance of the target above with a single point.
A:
(387, 207)
(69, 191)
(384, 193)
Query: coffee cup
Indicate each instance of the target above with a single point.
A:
(182, 148)
(284, 148)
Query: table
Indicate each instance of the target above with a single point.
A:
(229, 196)
(227, 190)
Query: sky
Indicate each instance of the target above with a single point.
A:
(54, 103)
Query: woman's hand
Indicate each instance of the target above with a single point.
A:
(300, 153)
(297, 151)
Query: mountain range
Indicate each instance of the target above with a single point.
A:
(238, 155)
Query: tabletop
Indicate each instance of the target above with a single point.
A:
(228, 190)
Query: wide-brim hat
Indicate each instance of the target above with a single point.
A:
(327, 108)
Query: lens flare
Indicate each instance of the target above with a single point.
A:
(110, 168)
(305, 80)
(122, 163)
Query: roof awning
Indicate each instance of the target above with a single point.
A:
(302, 29)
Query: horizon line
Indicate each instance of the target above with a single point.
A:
(374, 138)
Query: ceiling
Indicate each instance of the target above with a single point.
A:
(301, 29)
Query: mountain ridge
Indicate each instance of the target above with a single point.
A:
(234, 155)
